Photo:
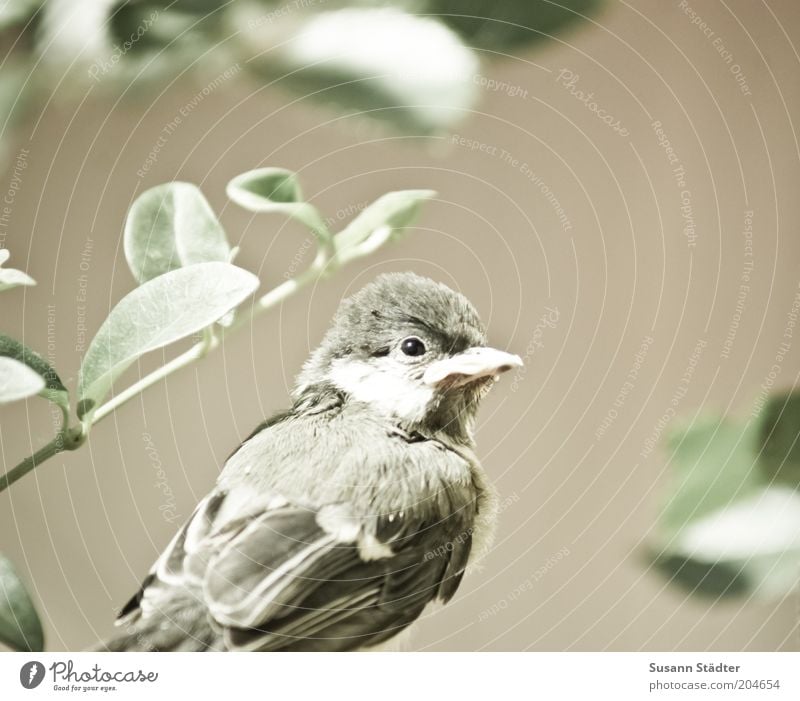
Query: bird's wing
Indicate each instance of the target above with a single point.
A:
(281, 576)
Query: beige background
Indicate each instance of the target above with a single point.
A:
(86, 526)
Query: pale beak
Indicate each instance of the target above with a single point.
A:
(473, 364)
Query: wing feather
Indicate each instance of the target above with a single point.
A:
(272, 575)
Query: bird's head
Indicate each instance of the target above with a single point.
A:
(409, 348)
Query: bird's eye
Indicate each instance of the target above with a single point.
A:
(412, 346)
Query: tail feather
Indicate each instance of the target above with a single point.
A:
(180, 629)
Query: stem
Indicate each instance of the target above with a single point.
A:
(197, 351)
(321, 266)
(70, 439)
(65, 440)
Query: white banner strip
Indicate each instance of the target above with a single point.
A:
(401, 676)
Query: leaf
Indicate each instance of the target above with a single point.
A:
(384, 62)
(127, 19)
(710, 579)
(505, 26)
(714, 463)
(730, 526)
(171, 226)
(385, 217)
(52, 388)
(20, 627)
(780, 439)
(275, 190)
(159, 312)
(9, 277)
(15, 96)
(17, 381)
(14, 11)
(14, 278)
(758, 535)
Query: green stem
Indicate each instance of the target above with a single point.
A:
(65, 440)
(321, 267)
(197, 351)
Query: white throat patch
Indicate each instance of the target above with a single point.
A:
(388, 392)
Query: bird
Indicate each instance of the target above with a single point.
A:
(340, 520)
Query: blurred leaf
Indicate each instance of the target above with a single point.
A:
(780, 439)
(409, 62)
(52, 388)
(507, 25)
(9, 277)
(382, 219)
(20, 627)
(159, 312)
(275, 190)
(71, 35)
(171, 226)
(129, 19)
(14, 11)
(713, 464)
(714, 579)
(758, 535)
(13, 99)
(17, 381)
(382, 61)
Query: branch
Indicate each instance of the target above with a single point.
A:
(65, 440)
(72, 438)
(197, 351)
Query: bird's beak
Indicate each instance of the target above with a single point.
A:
(471, 365)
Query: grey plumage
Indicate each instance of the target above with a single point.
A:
(337, 522)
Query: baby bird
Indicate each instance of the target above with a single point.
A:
(338, 521)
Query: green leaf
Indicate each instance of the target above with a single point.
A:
(14, 278)
(726, 528)
(780, 439)
(20, 627)
(505, 26)
(382, 62)
(275, 190)
(17, 381)
(710, 579)
(52, 388)
(758, 536)
(159, 312)
(16, 92)
(713, 463)
(14, 11)
(9, 277)
(381, 220)
(171, 226)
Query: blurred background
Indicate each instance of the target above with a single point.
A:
(617, 194)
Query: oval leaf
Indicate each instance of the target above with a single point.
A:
(506, 26)
(161, 311)
(758, 536)
(394, 210)
(779, 457)
(20, 627)
(17, 381)
(708, 579)
(169, 227)
(714, 464)
(382, 62)
(265, 188)
(9, 277)
(53, 388)
(275, 190)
